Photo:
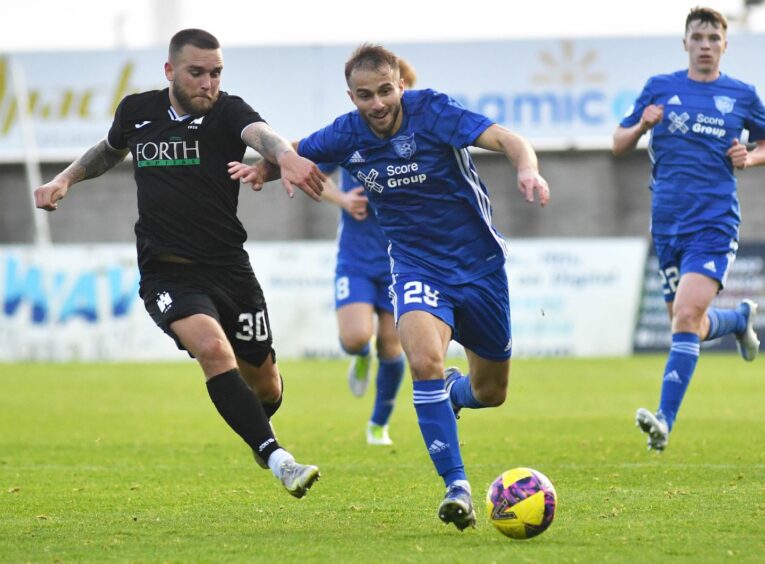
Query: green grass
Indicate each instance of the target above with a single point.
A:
(130, 462)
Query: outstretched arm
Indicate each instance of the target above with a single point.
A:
(626, 138)
(96, 161)
(295, 170)
(521, 154)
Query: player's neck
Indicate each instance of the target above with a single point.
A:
(703, 76)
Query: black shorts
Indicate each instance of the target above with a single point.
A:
(231, 295)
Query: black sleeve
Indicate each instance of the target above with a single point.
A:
(239, 114)
(116, 137)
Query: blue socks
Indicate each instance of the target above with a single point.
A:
(685, 353)
(390, 372)
(724, 322)
(439, 429)
(461, 394)
(677, 374)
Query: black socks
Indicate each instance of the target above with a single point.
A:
(243, 411)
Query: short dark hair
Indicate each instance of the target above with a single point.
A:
(196, 37)
(707, 16)
(369, 56)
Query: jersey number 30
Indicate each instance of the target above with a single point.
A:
(253, 327)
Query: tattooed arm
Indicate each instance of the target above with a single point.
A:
(295, 170)
(96, 161)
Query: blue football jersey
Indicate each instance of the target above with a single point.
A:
(692, 180)
(422, 185)
(361, 245)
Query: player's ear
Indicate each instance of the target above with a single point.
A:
(169, 71)
(350, 95)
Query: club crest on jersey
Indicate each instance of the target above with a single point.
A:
(164, 301)
(195, 123)
(404, 146)
(724, 104)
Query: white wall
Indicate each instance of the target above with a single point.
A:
(80, 302)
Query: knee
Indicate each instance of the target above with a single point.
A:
(687, 318)
(426, 367)
(491, 396)
(266, 385)
(215, 351)
(490, 387)
(271, 390)
(354, 344)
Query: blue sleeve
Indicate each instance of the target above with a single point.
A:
(347, 181)
(327, 168)
(451, 123)
(324, 146)
(755, 122)
(643, 101)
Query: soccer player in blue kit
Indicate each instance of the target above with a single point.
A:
(362, 277)
(695, 117)
(409, 149)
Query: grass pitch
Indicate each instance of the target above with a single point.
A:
(118, 462)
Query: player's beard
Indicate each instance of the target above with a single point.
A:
(192, 106)
(394, 113)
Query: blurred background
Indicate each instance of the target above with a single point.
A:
(560, 73)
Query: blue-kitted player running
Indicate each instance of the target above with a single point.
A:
(696, 117)
(409, 149)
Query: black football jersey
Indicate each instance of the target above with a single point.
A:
(187, 203)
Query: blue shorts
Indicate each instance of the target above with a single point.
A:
(478, 312)
(710, 252)
(357, 288)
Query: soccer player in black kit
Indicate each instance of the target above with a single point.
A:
(196, 280)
